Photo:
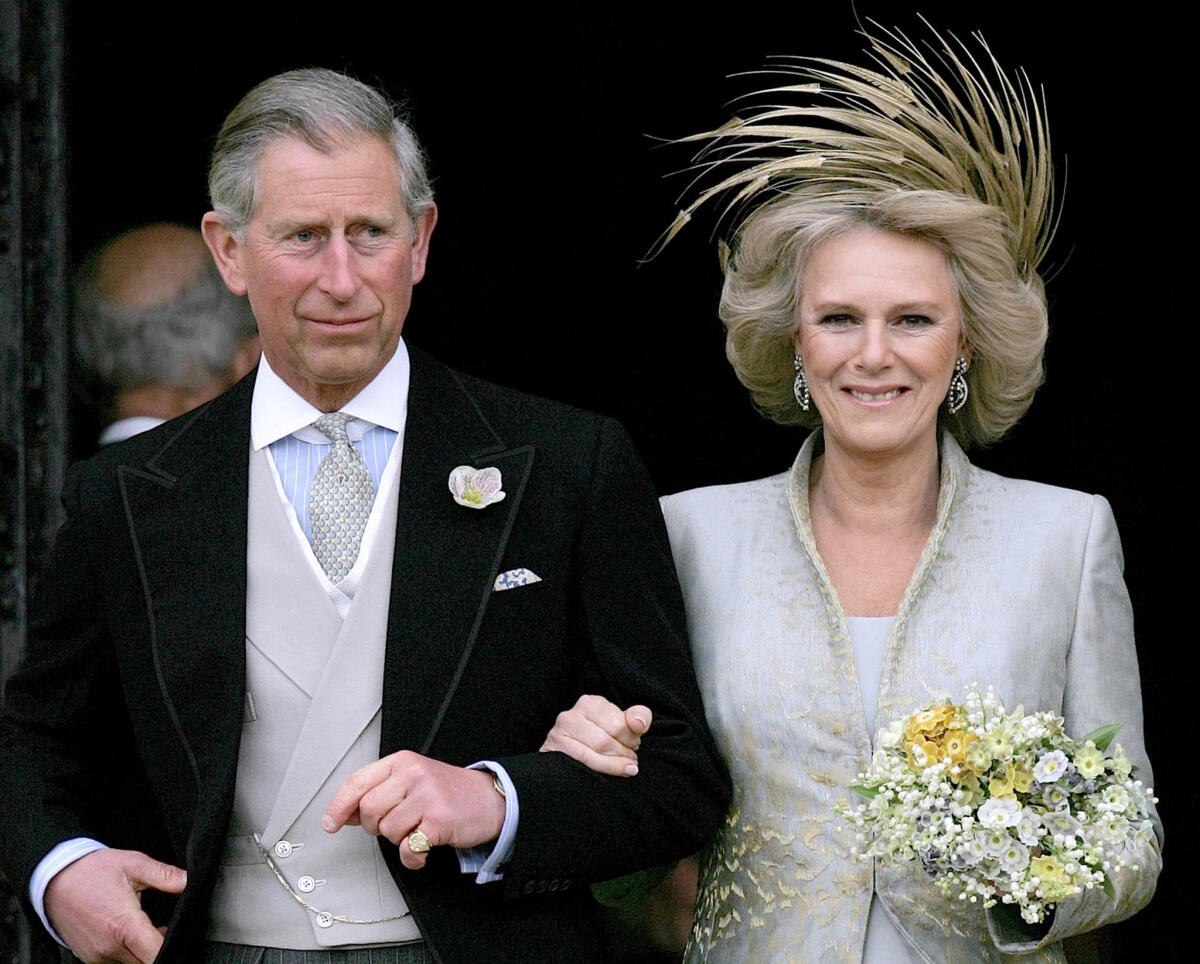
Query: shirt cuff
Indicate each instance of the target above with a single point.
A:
(61, 857)
(484, 861)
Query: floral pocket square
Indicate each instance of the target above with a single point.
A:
(514, 578)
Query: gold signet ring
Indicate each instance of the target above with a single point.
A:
(418, 843)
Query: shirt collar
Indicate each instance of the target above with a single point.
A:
(124, 428)
(276, 411)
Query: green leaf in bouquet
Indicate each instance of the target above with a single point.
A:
(631, 888)
(1106, 883)
(1102, 736)
(869, 792)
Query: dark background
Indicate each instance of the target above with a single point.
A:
(542, 126)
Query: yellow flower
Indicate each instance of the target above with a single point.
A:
(1022, 778)
(1089, 761)
(1001, 743)
(922, 753)
(1002, 786)
(1053, 880)
(1048, 870)
(933, 720)
(955, 744)
(979, 756)
(972, 790)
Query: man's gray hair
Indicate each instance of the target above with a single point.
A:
(323, 108)
(183, 343)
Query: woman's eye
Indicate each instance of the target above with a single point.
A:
(837, 320)
(915, 321)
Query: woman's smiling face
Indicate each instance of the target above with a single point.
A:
(879, 328)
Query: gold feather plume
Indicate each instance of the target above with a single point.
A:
(932, 117)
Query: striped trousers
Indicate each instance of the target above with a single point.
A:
(217, 953)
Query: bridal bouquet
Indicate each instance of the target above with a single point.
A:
(998, 806)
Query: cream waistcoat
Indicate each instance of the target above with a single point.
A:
(314, 690)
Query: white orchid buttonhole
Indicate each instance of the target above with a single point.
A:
(476, 488)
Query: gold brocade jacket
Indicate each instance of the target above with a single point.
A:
(1019, 587)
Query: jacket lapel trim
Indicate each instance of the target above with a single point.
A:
(446, 555)
(186, 513)
(126, 473)
(494, 568)
(953, 461)
(953, 470)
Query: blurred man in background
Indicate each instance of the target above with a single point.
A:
(156, 332)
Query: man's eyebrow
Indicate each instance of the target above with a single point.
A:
(287, 225)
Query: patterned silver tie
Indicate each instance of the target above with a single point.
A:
(340, 500)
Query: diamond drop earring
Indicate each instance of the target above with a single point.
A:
(957, 396)
(800, 385)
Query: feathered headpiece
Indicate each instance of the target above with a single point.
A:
(930, 118)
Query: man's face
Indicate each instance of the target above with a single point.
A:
(328, 261)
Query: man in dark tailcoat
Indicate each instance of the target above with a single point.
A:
(295, 652)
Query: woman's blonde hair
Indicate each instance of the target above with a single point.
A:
(1004, 315)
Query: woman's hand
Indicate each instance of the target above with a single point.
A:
(599, 735)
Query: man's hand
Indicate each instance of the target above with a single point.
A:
(404, 792)
(600, 735)
(94, 906)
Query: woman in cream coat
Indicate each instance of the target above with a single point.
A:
(901, 319)
(1018, 586)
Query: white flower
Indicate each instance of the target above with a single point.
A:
(1115, 827)
(1145, 830)
(1029, 828)
(1120, 761)
(1015, 858)
(891, 736)
(1061, 824)
(1051, 767)
(1000, 812)
(971, 851)
(1115, 796)
(476, 488)
(996, 840)
(1055, 799)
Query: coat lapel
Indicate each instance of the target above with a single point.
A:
(186, 510)
(446, 556)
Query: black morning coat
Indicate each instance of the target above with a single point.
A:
(124, 722)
